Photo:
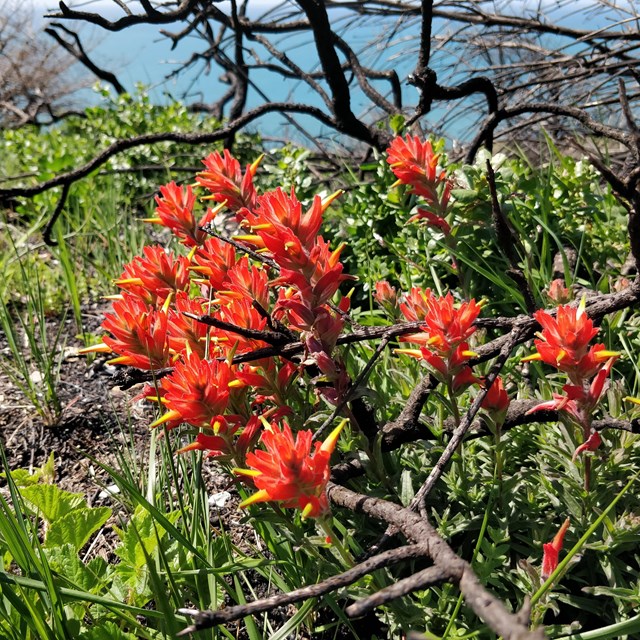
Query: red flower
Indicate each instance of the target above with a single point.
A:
(289, 472)
(155, 275)
(446, 329)
(552, 549)
(277, 213)
(185, 333)
(558, 293)
(213, 260)
(385, 295)
(139, 334)
(415, 164)
(564, 343)
(432, 219)
(496, 401)
(243, 280)
(223, 177)
(590, 444)
(197, 391)
(175, 211)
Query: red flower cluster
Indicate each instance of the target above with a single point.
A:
(289, 472)
(564, 344)
(444, 334)
(415, 164)
(195, 313)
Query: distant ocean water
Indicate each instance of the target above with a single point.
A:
(141, 55)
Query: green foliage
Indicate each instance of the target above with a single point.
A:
(170, 549)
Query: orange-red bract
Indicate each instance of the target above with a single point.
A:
(175, 211)
(138, 333)
(223, 177)
(197, 390)
(551, 551)
(292, 471)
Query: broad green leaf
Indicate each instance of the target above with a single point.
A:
(107, 631)
(51, 501)
(76, 527)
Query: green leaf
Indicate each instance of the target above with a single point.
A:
(76, 527)
(107, 631)
(51, 501)
(140, 531)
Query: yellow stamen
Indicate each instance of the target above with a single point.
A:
(216, 427)
(235, 384)
(307, 510)
(172, 414)
(152, 220)
(96, 348)
(252, 473)
(330, 443)
(397, 183)
(192, 253)
(531, 358)
(125, 281)
(261, 496)
(253, 167)
(167, 302)
(415, 353)
(562, 354)
(115, 296)
(604, 355)
(252, 238)
(630, 399)
(122, 360)
(329, 199)
(469, 354)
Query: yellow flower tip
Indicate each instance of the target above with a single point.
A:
(289, 245)
(562, 354)
(306, 512)
(397, 183)
(153, 398)
(469, 354)
(115, 296)
(329, 199)
(125, 281)
(198, 269)
(167, 303)
(253, 239)
(128, 360)
(262, 227)
(192, 446)
(531, 358)
(211, 197)
(95, 348)
(172, 414)
(216, 427)
(414, 353)
(251, 473)
(335, 255)
(218, 208)
(582, 306)
(235, 384)
(192, 253)
(265, 423)
(332, 439)
(605, 355)
(152, 220)
(631, 399)
(253, 167)
(260, 496)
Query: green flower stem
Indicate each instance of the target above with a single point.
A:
(325, 525)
